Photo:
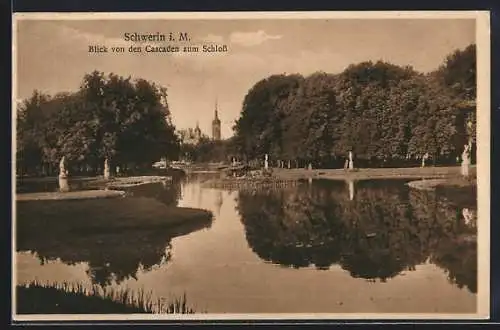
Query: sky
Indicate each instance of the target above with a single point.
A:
(52, 55)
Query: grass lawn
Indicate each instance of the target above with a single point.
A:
(101, 215)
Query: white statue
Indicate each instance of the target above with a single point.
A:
(266, 162)
(351, 161)
(466, 160)
(106, 169)
(63, 172)
(424, 158)
(289, 165)
(63, 176)
(469, 218)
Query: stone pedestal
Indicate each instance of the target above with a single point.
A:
(63, 184)
(465, 161)
(107, 173)
(63, 176)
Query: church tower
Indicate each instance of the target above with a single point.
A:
(216, 124)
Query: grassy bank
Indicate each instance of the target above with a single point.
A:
(37, 298)
(461, 192)
(70, 195)
(372, 173)
(102, 215)
(457, 189)
(80, 183)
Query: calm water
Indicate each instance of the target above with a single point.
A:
(323, 247)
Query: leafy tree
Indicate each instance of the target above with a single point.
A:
(385, 114)
(111, 117)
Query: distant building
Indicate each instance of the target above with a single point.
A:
(190, 135)
(216, 125)
(194, 135)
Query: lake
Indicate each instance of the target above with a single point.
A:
(320, 247)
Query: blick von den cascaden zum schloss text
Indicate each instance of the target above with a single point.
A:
(172, 42)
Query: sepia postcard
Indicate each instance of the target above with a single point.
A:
(251, 166)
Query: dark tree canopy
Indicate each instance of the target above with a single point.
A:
(124, 120)
(382, 112)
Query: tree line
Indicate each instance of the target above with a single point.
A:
(110, 117)
(385, 114)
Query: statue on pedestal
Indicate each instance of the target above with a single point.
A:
(466, 160)
(351, 161)
(470, 218)
(106, 169)
(63, 172)
(63, 176)
(424, 158)
(266, 162)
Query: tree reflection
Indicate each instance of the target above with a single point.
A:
(111, 257)
(168, 193)
(459, 259)
(384, 230)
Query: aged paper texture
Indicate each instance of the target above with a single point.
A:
(258, 165)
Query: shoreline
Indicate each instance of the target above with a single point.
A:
(70, 195)
(98, 216)
(417, 173)
(90, 187)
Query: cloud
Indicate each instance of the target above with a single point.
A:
(252, 38)
(70, 33)
(214, 38)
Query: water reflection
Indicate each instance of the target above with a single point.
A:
(384, 231)
(351, 189)
(111, 257)
(167, 193)
(352, 234)
(218, 201)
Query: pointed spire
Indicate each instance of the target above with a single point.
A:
(216, 109)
